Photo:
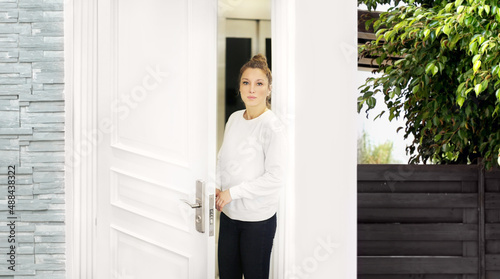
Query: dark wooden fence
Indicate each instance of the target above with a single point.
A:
(428, 222)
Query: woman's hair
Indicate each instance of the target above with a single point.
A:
(259, 61)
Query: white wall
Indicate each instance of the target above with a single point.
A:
(325, 139)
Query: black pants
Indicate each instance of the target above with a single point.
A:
(245, 248)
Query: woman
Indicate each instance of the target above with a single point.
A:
(250, 172)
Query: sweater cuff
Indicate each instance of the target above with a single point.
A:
(235, 191)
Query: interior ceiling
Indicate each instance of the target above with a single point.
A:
(246, 9)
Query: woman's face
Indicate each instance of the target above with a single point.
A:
(254, 88)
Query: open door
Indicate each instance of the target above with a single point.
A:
(156, 115)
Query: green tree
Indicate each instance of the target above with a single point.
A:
(440, 65)
(374, 154)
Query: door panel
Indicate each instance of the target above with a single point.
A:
(147, 198)
(156, 114)
(144, 258)
(145, 59)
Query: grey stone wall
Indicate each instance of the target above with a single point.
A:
(32, 138)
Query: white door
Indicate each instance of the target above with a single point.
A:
(156, 118)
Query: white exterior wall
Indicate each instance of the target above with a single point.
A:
(325, 139)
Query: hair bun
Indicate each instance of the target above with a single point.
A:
(259, 58)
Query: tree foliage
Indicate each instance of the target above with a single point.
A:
(375, 154)
(372, 4)
(440, 66)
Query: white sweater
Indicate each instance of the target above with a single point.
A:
(251, 163)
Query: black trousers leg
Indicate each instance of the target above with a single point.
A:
(229, 249)
(256, 243)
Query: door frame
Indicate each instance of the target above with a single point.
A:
(80, 45)
(283, 61)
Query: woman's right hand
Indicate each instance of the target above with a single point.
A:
(223, 198)
(217, 192)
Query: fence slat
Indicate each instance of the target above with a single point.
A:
(435, 265)
(493, 262)
(493, 247)
(492, 200)
(417, 200)
(419, 173)
(413, 232)
(492, 231)
(410, 186)
(416, 276)
(410, 215)
(414, 248)
(492, 274)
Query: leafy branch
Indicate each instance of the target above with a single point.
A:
(440, 68)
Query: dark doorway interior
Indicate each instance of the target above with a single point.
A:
(268, 53)
(238, 52)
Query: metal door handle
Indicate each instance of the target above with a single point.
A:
(193, 205)
(199, 217)
(199, 205)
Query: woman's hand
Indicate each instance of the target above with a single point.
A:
(223, 198)
(217, 192)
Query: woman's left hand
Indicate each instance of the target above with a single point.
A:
(223, 198)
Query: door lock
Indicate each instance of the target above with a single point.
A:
(199, 205)
(199, 218)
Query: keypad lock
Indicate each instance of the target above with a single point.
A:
(200, 206)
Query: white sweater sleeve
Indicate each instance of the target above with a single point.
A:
(218, 179)
(218, 174)
(272, 180)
